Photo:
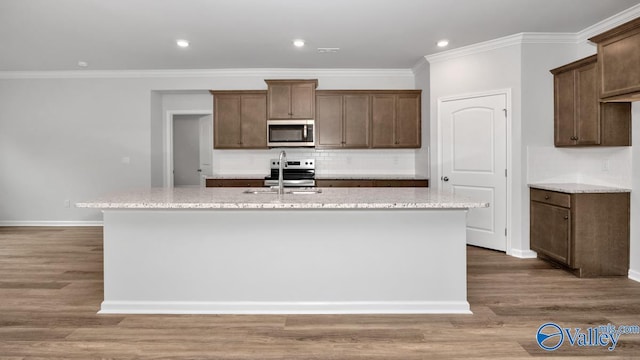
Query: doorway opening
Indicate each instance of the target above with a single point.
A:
(189, 148)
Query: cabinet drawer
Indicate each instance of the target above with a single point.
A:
(551, 197)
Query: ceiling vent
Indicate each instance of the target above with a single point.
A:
(328, 50)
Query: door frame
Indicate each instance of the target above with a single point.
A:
(509, 197)
(168, 140)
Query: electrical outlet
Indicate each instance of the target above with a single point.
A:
(67, 203)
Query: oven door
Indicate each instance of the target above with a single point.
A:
(292, 133)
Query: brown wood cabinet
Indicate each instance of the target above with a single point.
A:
(619, 62)
(371, 183)
(586, 232)
(239, 119)
(579, 118)
(291, 99)
(234, 182)
(396, 119)
(343, 119)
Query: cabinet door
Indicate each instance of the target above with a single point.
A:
(618, 54)
(254, 121)
(357, 117)
(551, 231)
(587, 124)
(329, 121)
(407, 124)
(279, 101)
(227, 128)
(564, 101)
(382, 120)
(302, 100)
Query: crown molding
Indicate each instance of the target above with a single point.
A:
(608, 24)
(511, 40)
(191, 73)
(419, 65)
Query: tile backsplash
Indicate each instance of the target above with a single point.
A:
(328, 162)
(609, 166)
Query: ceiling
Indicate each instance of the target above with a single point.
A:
(37, 35)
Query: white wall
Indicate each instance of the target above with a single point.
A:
(68, 135)
(634, 271)
(494, 69)
(422, 75)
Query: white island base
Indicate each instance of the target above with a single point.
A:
(284, 261)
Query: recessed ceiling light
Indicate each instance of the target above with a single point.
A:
(443, 43)
(182, 43)
(83, 63)
(298, 42)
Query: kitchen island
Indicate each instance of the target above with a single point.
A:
(344, 250)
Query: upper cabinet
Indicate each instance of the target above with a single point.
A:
(343, 119)
(619, 62)
(239, 119)
(395, 119)
(579, 118)
(291, 99)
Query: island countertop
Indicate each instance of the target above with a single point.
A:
(329, 198)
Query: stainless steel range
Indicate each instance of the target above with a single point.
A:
(296, 173)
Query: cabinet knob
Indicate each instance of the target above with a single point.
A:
(546, 197)
(566, 217)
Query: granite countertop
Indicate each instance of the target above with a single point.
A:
(324, 177)
(575, 188)
(330, 198)
(236, 176)
(369, 177)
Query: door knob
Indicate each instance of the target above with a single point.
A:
(199, 170)
(444, 178)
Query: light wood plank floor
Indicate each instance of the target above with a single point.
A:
(51, 289)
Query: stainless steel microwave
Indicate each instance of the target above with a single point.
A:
(291, 133)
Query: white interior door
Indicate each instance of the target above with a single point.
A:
(186, 150)
(474, 162)
(206, 145)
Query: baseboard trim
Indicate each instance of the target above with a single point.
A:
(51, 223)
(523, 254)
(634, 275)
(281, 307)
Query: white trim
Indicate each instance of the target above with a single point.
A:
(50, 223)
(507, 94)
(475, 48)
(634, 275)
(194, 73)
(511, 40)
(523, 254)
(168, 141)
(608, 24)
(284, 307)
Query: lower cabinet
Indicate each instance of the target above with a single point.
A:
(234, 182)
(585, 232)
(371, 183)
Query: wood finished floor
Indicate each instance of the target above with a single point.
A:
(51, 289)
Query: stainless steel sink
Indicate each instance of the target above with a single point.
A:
(260, 191)
(300, 191)
(304, 191)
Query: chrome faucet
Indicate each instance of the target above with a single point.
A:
(282, 163)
